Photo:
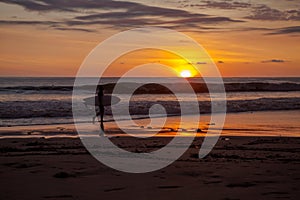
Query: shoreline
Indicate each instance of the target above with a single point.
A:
(256, 157)
(262, 123)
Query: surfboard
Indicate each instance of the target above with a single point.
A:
(108, 100)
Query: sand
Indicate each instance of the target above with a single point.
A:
(237, 168)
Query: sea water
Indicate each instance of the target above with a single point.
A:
(47, 101)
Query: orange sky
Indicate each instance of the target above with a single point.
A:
(246, 38)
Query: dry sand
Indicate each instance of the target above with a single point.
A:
(238, 168)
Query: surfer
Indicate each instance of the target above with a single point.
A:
(100, 107)
(99, 101)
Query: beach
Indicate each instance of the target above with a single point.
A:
(258, 161)
(237, 168)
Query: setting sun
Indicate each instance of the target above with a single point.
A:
(185, 74)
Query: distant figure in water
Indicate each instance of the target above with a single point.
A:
(99, 107)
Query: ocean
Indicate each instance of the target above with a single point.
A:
(48, 101)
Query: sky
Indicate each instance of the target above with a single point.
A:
(245, 38)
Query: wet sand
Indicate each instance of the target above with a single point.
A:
(265, 123)
(237, 168)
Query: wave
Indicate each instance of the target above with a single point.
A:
(37, 88)
(159, 89)
(50, 109)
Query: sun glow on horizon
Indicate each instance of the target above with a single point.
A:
(185, 74)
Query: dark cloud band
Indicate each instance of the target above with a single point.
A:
(273, 61)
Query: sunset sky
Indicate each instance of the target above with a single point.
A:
(245, 38)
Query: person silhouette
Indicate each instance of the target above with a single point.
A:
(100, 106)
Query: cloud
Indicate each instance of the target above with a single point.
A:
(139, 10)
(286, 30)
(226, 5)
(120, 14)
(144, 15)
(52, 24)
(74, 29)
(263, 12)
(25, 22)
(295, 30)
(60, 5)
(273, 61)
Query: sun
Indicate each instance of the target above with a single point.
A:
(185, 74)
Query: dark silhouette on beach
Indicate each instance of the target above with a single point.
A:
(100, 107)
